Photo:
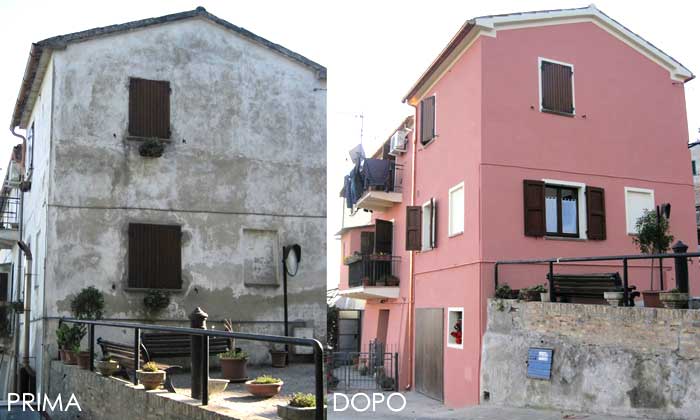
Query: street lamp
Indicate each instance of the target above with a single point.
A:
(291, 257)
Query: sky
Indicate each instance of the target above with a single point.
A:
(374, 52)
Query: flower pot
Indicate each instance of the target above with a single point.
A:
(288, 412)
(263, 390)
(62, 355)
(234, 369)
(544, 297)
(279, 358)
(392, 281)
(530, 295)
(84, 360)
(151, 380)
(614, 298)
(107, 367)
(217, 386)
(674, 300)
(651, 299)
(71, 357)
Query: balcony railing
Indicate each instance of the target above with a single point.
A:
(374, 270)
(376, 184)
(9, 211)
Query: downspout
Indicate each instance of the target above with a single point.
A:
(19, 260)
(27, 300)
(411, 285)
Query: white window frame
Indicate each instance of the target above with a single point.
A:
(582, 214)
(627, 213)
(424, 228)
(448, 322)
(435, 135)
(573, 84)
(450, 233)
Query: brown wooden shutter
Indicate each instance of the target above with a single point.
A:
(154, 256)
(366, 243)
(595, 213)
(427, 119)
(384, 232)
(557, 88)
(413, 228)
(533, 204)
(149, 108)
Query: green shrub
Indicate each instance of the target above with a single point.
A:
(88, 304)
(156, 300)
(299, 399)
(233, 354)
(266, 379)
(152, 147)
(150, 367)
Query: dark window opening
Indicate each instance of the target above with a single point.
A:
(154, 256)
(149, 108)
(561, 211)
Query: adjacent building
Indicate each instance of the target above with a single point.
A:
(242, 122)
(537, 135)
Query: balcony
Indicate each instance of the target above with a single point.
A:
(9, 221)
(375, 184)
(373, 276)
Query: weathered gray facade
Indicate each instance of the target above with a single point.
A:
(243, 174)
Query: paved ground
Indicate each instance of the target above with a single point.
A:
(296, 378)
(421, 407)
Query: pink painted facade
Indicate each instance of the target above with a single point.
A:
(629, 131)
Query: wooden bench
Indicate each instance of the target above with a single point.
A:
(124, 354)
(587, 288)
(178, 344)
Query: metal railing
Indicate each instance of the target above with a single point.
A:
(376, 369)
(205, 334)
(679, 255)
(9, 207)
(374, 270)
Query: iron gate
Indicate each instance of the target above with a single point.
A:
(355, 371)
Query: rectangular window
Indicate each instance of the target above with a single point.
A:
(29, 162)
(154, 256)
(637, 201)
(149, 108)
(695, 168)
(456, 208)
(556, 87)
(427, 120)
(454, 325)
(561, 211)
(426, 214)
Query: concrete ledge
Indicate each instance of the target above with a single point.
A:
(634, 362)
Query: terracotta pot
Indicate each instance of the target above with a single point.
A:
(151, 380)
(107, 367)
(62, 355)
(263, 390)
(651, 299)
(84, 360)
(279, 358)
(234, 369)
(674, 300)
(71, 357)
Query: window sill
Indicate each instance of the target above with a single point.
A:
(428, 143)
(137, 138)
(423, 251)
(455, 234)
(564, 238)
(563, 114)
(144, 290)
(455, 346)
(264, 285)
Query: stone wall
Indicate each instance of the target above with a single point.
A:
(114, 399)
(634, 362)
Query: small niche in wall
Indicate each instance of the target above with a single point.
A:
(454, 325)
(262, 259)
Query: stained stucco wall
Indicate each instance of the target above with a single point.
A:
(247, 154)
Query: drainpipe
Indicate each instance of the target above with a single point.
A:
(27, 300)
(411, 286)
(19, 260)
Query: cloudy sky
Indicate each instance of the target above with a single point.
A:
(374, 51)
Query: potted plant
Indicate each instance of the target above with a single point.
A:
(505, 292)
(532, 294)
(264, 386)
(150, 376)
(62, 339)
(83, 358)
(392, 281)
(278, 357)
(233, 365)
(155, 301)
(614, 298)
(151, 148)
(107, 366)
(674, 299)
(652, 237)
(352, 258)
(71, 354)
(387, 383)
(300, 407)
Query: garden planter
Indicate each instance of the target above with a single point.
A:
(84, 360)
(614, 298)
(673, 300)
(71, 357)
(651, 299)
(392, 281)
(107, 367)
(234, 369)
(62, 355)
(264, 390)
(288, 412)
(217, 386)
(279, 358)
(530, 295)
(544, 297)
(151, 380)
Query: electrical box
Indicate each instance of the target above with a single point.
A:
(539, 363)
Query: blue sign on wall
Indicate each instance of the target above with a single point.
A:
(539, 363)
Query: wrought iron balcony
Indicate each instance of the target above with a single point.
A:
(373, 276)
(375, 185)
(9, 221)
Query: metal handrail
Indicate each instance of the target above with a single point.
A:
(679, 257)
(206, 334)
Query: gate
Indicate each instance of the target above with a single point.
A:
(375, 369)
